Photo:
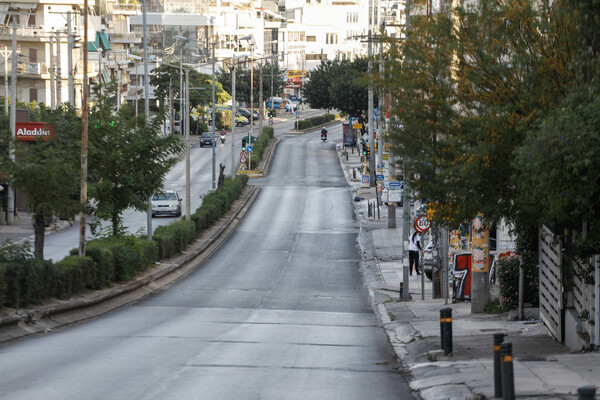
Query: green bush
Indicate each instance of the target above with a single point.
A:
(315, 121)
(507, 272)
(73, 274)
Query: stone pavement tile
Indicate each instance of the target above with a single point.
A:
(555, 377)
(447, 392)
(585, 365)
(527, 382)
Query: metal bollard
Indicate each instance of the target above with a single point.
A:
(401, 290)
(346, 156)
(508, 380)
(446, 330)
(587, 392)
(498, 339)
(369, 208)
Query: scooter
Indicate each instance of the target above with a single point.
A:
(222, 137)
(324, 137)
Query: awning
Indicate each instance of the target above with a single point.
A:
(273, 14)
(24, 6)
(100, 42)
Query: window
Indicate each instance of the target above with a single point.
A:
(311, 38)
(33, 95)
(33, 55)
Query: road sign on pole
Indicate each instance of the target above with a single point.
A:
(422, 224)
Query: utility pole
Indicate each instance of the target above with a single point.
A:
(70, 45)
(52, 68)
(233, 112)
(146, 102)
(214, 122)
(84, 133)
(58, 71)
(10, 196)
(406, 206)
(371, 124)
(6, 97)
(260, 102)
(188, 197)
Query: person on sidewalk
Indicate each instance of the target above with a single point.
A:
(414, 247)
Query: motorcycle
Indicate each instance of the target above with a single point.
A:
(222, 137)
(324, 137)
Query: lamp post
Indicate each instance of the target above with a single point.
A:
(184, 115)
(135, 65)
(251, 41)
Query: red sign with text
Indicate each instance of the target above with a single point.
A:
(30, 131)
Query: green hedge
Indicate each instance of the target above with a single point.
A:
(260, 146)
(315, 121)
(25, 281)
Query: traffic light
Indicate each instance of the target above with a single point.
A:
(368, 151)
(243, 144)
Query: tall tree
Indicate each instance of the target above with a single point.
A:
(128, 161)
(243, 78)
(342, 85)
(200, 84)
(47, 171)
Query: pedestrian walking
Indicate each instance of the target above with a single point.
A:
(414, 247)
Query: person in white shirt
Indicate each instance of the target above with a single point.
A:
(414, 246)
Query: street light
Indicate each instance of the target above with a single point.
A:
(135, 65)
(233, 111)
(250, 39)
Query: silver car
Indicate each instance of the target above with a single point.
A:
(166, 203)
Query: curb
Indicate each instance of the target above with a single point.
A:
(33, 321)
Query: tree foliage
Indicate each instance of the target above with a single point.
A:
(200, 84)
(48, 171)
(128, 161)
(338, 84)
(243, 79)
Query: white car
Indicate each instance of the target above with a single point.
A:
(166, 203)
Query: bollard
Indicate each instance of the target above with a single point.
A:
(346, 156)
(446, 330)
(508, 381)
(353, 173)
(401, 290)
(587, 392)
(369, 208)
(498, 339)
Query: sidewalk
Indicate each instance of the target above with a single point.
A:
(543, 368)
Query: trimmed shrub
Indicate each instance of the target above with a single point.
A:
(507, 273)
(73, 274)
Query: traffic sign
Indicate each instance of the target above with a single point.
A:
(379, 177)
(243, 157)
(250, 149)
(422, 224)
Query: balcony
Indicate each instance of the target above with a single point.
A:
(31, 68)
(126, 38)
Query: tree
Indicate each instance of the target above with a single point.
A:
(128, 161)
(48, 172)
(342, 85)
(201, 94)
(243, 78)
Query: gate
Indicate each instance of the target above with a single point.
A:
(551, 282)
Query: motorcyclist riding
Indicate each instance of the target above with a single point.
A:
(323, 134)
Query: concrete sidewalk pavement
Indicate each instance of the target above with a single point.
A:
(543, 368)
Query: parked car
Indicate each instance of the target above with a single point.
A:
(166, 203)
(276, 103)
(290, 106)
(240, 120)
(295, 99)
(206, 139)
(246, 113)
